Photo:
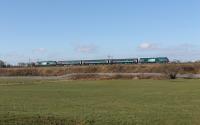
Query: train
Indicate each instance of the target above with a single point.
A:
(160, 60)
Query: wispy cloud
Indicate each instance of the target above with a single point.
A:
(88, 48)
(185, 51)
(39, 50)
(14, 57)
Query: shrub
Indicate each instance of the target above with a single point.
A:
(172, 70)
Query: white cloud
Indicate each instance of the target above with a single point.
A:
(147, 46)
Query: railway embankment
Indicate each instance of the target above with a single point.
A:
(139, 71)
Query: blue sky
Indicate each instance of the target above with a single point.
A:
(93, 29)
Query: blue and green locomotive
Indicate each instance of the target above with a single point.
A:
(154, 60)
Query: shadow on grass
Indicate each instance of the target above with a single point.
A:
(40, 120)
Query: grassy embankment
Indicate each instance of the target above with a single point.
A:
(114, 102)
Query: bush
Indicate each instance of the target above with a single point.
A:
(172, 70)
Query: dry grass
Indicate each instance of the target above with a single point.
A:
(114, 77)
(193, 68)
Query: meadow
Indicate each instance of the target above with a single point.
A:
(109, 102)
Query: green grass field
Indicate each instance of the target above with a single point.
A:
(114, 102)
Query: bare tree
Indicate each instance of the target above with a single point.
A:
(171, 70)
(2, 64)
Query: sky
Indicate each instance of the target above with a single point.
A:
(32, 30)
